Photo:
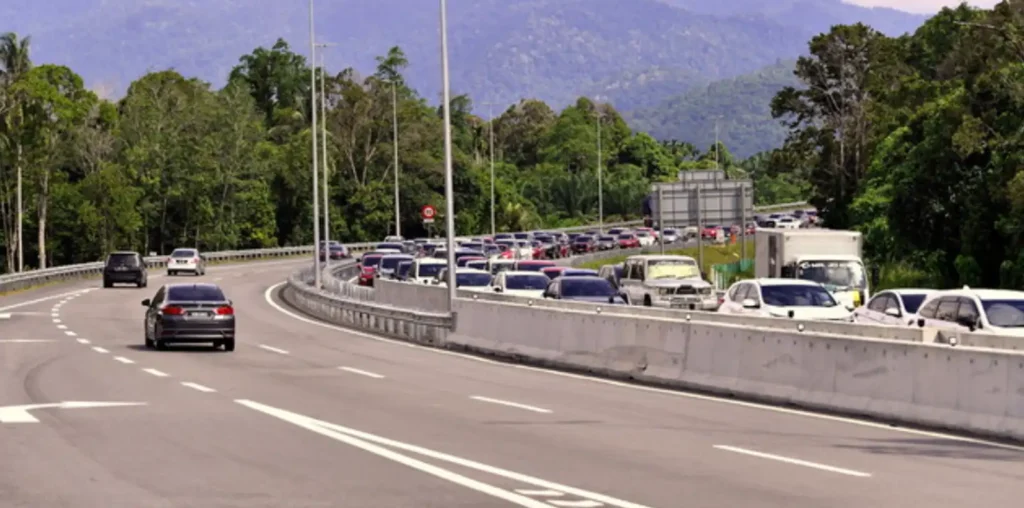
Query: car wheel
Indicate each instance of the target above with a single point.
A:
(149, 343)
(160, 345)
(170, 273)
(229, 345)
(647, 301)
(107, 284)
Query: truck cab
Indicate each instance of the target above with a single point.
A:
(654, 281)
(831, 258)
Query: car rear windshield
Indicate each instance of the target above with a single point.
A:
(403, 268)
(392, 246)
(606, 239)
(797, 296)
(429, 270)
(527, 282)
(195, 294)
(534, 267)
(587, 287)
(183, 253)
(472, 279)
(371, 260)
(913, 302)
(123, 260)
(390, 263)
(582, 239)
(625, 237)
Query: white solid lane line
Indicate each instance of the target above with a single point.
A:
(273, 349)
(83, 341)
(100, 350)
(196, 386)
(511, 404)
(40, 300)
(584, 503)
(155, 372)
(23, 341)
(361, 372)
(796, 462)
(124, 360)
(69, 333)
(376, 445)
(540, 493)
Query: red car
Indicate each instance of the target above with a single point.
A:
(553, 271)
(530, 265)
(628, 241)
(370, 263)
(710, 232)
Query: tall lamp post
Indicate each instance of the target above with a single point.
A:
(394, 141)
(323, 133)
(490, 123)
(312, 131)
(449, 215)
(600, 176)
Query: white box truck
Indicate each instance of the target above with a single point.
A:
(830, 257)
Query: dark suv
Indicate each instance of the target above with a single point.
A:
(125, 268)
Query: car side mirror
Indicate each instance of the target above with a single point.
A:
(893, 311)
(147, 302)
(750, 303)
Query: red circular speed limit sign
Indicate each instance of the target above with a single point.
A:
(428, 212)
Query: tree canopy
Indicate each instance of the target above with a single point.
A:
(176, 162)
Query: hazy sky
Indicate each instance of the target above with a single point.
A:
(921, 6)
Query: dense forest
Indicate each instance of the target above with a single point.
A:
(176, 162)
(917, 142)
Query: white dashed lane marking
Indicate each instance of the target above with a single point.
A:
(273, 349)
(511, 404)
(361, 372)
(69, 333)
(100, 350)
(62, 327)
(124, 360)
(83, 341)
(155, 372)
(199, 387)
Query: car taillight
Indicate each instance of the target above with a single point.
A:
(227, 310)
(172, 311)
(196, 260)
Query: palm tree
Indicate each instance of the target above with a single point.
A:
(14, 62)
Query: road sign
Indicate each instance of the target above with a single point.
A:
(428, 212)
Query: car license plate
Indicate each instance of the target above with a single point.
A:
(199, 314)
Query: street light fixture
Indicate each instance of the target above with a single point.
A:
(312, 131)
(449, 215)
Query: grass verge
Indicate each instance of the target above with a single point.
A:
(713, 255)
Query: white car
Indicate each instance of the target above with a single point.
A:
(995, 311)
(893, 307)
(524, 249)
(529, 284)
(670, 235)
(186, 260)
(653, 281)
(784, 298)
(425, 270)
(646, 239)
(787, 223)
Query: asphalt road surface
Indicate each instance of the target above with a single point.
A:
(303, 414)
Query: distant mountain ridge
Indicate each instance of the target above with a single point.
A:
(633, 53)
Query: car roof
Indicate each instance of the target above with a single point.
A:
(983, 294)
(208, 285)
(524, 273)
(432, 261)
(585, 277)
(123, 252)
(909, 291)
(471, 270)
(403, 256)
(783, 282)
(184, 248)
(580, 270)
(534, 262)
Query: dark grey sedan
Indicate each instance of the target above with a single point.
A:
(190, 314)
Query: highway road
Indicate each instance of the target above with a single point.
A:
(304, 414)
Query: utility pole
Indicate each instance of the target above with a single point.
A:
(312, 131)
(716, 142)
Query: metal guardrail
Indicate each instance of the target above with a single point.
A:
(417, 326)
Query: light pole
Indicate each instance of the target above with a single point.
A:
(323, 127)
(449, 215)
(312, 131)
(600, 180)
(490, 114)
(394, 122)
